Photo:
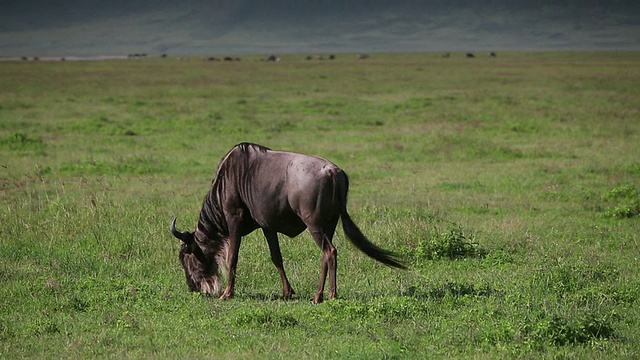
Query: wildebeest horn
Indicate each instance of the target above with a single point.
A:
(184, 236)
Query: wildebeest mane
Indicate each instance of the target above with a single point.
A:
(212, 221)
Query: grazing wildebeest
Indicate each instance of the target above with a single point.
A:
(279, 192)
(470, 55)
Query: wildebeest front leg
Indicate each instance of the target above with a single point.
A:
(232, 260)
(328, 262)
(276, 258)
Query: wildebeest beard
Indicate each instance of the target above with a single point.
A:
(202, 270)
(206, 255)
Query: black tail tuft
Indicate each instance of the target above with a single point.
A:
(361, 242)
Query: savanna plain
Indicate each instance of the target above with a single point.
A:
(510, 186)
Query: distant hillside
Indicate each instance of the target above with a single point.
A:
(92, 27)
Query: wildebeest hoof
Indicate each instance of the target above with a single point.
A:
(288, 295)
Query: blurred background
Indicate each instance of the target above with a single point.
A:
(196, 27)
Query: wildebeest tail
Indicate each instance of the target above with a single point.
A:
(359, 240)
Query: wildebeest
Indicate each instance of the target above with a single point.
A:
(279, 192)
(273, 58)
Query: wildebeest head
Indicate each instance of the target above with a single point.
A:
(201, 268)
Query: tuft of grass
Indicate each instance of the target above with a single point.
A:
(560, 331)
(453, 243)
(567, 278)
(544, 331)
(23, 144)
(622, 202)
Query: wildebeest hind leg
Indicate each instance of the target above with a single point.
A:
(328, 263)
(276, 258)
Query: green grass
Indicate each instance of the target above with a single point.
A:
(508, 185)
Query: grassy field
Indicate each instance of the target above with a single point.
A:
(509, 185)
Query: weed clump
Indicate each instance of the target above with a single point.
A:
(623, 201)
(23, 144)
(567, 278)
(560, 331)
(554, 330)
(455, 243)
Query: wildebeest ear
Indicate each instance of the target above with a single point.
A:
(185, 236)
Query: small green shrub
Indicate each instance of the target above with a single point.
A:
(623, 201)
(454, 243)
